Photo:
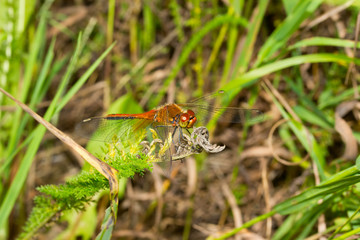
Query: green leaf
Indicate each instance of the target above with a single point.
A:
(312, 195)
(358, 162)
(285, 30)
(290, 5)
(107, 226)
(324, 41)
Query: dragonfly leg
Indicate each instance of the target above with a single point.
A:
(180, 137)
(173, 134)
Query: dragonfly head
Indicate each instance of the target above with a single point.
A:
(187, 119)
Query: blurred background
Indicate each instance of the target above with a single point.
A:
(295, 60)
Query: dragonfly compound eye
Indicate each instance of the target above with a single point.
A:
(191, 113)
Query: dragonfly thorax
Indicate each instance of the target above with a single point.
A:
(172, 114)
(187, 119)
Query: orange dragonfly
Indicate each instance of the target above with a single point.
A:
(168, 122)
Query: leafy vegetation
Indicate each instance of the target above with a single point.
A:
(79, 191)
(293, 175)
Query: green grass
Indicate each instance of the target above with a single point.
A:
(217, 46)
(58, 102)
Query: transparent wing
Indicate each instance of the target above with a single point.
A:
(105, 129)
(219, 96)
(165, 147)
(225, 114)
(154, 139)
(210, 106)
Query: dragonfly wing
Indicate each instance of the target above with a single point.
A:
(172, 137)
(110, 130)
(220, 97)
(178, 147)
(204, 113)
(155, 136)
(237, 115)
(163, 149)
(209, 107)
(164, 130)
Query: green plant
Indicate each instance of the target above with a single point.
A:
(278, 56)
(79, 191)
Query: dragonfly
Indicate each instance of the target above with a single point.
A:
(168, 123)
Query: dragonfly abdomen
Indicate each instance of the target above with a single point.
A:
(118, 117)
(147, 115)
